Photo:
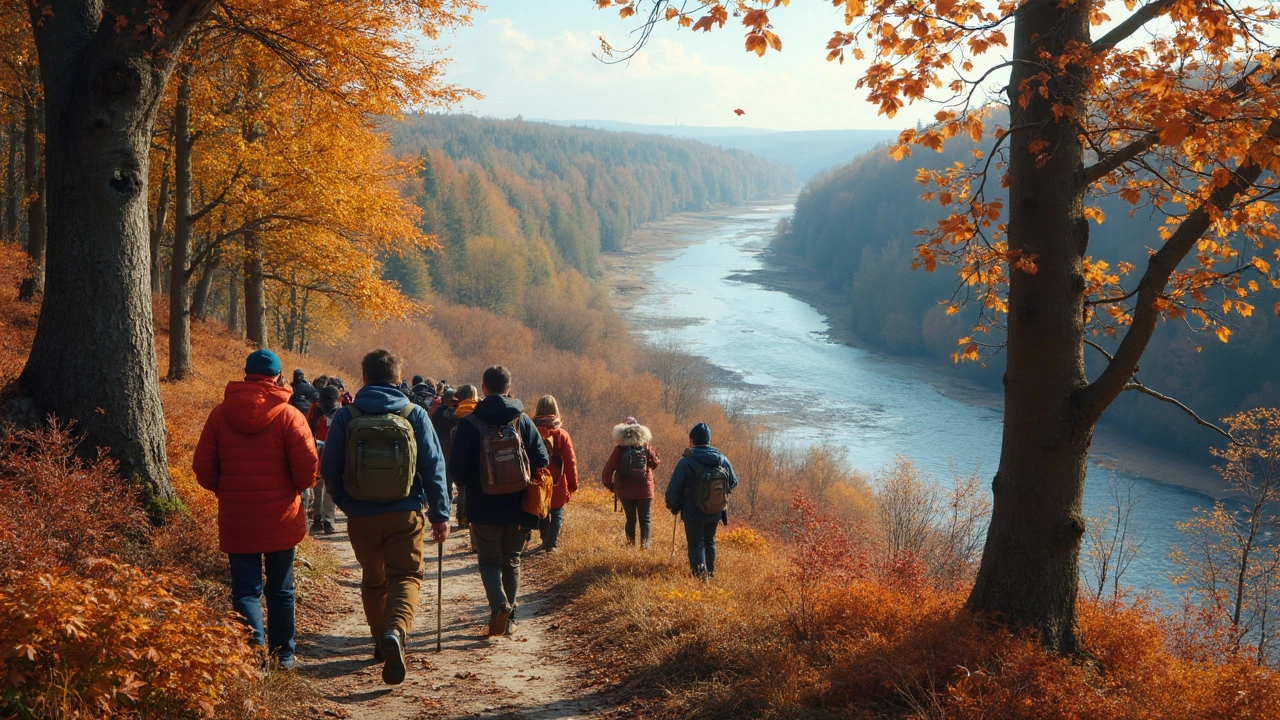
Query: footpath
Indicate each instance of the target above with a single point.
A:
(526, 676)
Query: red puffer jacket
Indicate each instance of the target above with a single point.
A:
(628, 436)
(564, 463)
(256, 453)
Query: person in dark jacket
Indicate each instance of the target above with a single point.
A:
(636, 494)
(304, 393)
(387, 536)
(499, 525)
(320, 419)
(699, 527)
(256, 455)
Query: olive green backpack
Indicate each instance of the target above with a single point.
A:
(382, 455)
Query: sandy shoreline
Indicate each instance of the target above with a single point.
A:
(630, 272)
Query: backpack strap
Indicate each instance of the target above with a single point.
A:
(355, 411)
(406, 411)
(477, 423)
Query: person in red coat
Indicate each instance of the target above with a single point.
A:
(257, 455)
(564, 469)
(629, 474)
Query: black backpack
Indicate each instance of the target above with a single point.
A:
(633, 467)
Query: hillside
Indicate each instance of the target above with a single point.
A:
(854, 231)
(808, 152)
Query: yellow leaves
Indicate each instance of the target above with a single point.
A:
(1223, 333)
(969, 351)
(1095, 214)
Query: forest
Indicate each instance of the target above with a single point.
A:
(187, 182)
(856, 229)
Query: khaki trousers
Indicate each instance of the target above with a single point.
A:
(388, 547)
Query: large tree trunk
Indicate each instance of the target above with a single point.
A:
(1029, 572)
(157, 226)
(179, 273)
(93, 360)
(255, 294)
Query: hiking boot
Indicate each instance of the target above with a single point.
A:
(377, 653)
(287, 662)
(553, 550)
(498, 622)
(329, 529)
(511, 627)
(317, 525)
(392, 658)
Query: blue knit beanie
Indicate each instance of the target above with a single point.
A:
(262, 362)
(700, 434)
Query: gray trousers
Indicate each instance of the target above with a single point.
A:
(498, 548)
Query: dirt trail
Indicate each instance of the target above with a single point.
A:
(524, 676)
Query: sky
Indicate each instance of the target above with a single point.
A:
(533, 58)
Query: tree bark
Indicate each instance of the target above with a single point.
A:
(1029, 573)
(200, 298)
(157, 226)
(13, 195)
(255, 294)
(33, 125)
(179, 273)
(234, 319)
(93, 359)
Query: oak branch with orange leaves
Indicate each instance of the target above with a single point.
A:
(1172, 106)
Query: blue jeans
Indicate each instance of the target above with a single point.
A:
(549, 529)
(246, 593)
(702, 546)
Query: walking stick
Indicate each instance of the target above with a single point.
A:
(439, 590)
(675, 520)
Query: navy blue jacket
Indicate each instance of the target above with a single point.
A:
(429, 491)
(464, 462)
(679, 501)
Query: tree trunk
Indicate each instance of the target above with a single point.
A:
(234, 320)
(13, 195)
(1029, 573)
(255, 294)
(33, 284)
(179, 274)
(200, 298)
(157, 226)
(93, 359)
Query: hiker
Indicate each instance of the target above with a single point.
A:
(564, 469)
(629, 474)
(484, 464)
(423, 393)
(321, 419)
(304, 393)
(382, 465)
(320, 382)
(345, 396)
(464, 400)
(699, 493)
(256, 454)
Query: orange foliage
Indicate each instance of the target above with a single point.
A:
(116, 641)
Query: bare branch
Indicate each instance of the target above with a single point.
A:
(1135, 385)
(1131, 25)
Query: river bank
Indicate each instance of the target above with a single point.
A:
(630, 276)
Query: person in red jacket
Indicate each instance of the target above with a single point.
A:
(257, 455)
(564, 469)
(629, 474)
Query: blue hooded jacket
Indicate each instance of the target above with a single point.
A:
(680, 501)
(429, 491)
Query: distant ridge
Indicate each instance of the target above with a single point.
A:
(810, 152)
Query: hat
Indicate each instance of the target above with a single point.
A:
(700, 434)
(417, 379)
(632, 421)
(298, 374)
(262, 362)
(448, 394)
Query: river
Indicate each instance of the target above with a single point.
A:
(776, 350)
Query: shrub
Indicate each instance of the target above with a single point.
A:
(114, 641)
(57, 508)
